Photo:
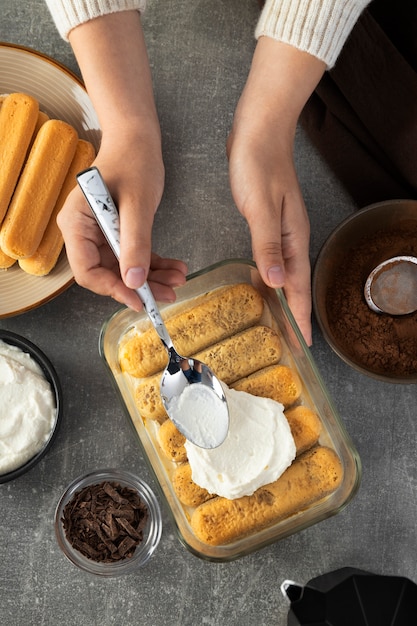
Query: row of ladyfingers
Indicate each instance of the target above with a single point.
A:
(315, 473)
(235, 361)
(305, 427)
(224, 331)
(39, 158)
(224, 326)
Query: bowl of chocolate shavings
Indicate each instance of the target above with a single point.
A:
(108, 522)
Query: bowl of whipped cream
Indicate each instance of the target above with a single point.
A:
(30, 408)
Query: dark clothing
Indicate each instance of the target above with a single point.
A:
(363, 114)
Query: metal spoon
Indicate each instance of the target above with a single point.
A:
(391, 287)
(200, 414)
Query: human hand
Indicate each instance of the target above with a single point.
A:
(134, 174)
(111, 53)
(262, 174)
(266, 192)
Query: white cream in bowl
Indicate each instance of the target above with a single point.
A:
(27, 408)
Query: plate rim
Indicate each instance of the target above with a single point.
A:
(23, 49)
(45, 57)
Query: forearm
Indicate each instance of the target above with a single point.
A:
(112, 56)
(280, 81)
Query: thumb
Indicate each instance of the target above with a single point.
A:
(289, 270)
(267, 250)
(135, 245)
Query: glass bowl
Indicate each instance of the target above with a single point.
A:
(295, 354)
(51, 376)
(151, 531)
(383, 347)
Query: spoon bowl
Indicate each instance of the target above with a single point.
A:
(391, 286)
(191, 394)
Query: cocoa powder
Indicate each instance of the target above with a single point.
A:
(384, 344)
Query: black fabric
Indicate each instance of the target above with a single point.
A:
(363, 114)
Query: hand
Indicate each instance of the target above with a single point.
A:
(266, 191)
(112, 57)
(136, 190)
(262, 173)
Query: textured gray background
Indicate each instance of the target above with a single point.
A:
(200, 52)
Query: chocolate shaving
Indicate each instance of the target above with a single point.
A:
(105, 522)
(126, 545)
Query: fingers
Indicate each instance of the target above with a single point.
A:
(136, 188)
(265, 229)
(299, 300)
(266, 191)
(135, 242)
(93, 263)
(297, 287)
(164, 276)
(280, 243)
(96, 268)
(274, 209)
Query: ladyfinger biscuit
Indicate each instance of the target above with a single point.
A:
(38, 189)
(42, 118)
(172, 442)
(231, 359)
(242, 354)
(18, 117)
(186, 490)
(280, 382)
(148, 399)
(311, 477)
(46, 256)
(227, 311)
(6, 261)
(305, 428)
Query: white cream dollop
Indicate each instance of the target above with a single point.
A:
(257, 450)
(201, 413)
(27, 408)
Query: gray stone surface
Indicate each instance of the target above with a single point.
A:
(200, 53)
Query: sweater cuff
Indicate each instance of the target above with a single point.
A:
(319, 27)
(68, 15)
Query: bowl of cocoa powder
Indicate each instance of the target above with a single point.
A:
(376, 344)
(108, 522)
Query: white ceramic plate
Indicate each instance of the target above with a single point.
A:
(61, 95)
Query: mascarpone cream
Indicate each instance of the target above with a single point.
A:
(27, 408)
(201, 413)
(257, 450)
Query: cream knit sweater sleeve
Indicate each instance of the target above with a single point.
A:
(70, 13)
(319, 27)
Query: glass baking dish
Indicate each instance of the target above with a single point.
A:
(295, 354)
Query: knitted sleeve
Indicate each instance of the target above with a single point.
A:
(70, 13)
(319, 27)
